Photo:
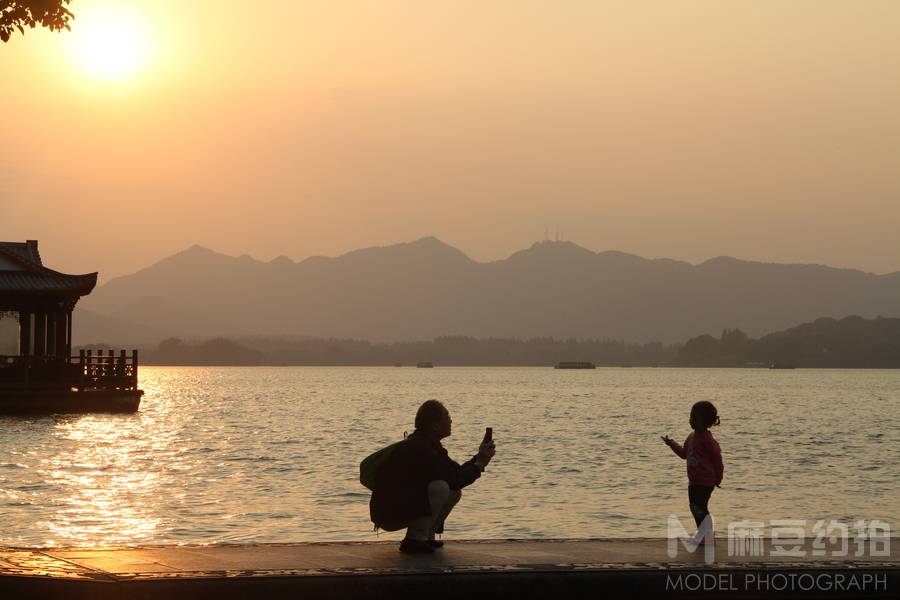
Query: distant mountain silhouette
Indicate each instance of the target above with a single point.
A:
(425, 289)
(88, 325)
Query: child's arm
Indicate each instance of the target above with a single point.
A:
(718, 465)
(675, 446)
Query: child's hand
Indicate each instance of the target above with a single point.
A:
(666, 439)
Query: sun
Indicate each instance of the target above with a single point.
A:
(112, 43)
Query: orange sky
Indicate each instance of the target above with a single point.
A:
(765, 130)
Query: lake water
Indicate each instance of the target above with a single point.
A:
(230, 455)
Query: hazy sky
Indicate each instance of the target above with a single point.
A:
(766, 130)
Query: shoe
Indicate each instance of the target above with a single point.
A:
(408, 546)
(436, 543)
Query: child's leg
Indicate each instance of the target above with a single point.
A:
(698, 496)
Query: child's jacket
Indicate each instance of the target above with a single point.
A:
(703, 456)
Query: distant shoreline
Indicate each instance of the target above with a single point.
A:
(849, 343)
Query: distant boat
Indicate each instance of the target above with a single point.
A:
(575, 365)
(782, 366)
(425, 365)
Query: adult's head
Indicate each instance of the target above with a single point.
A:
(433, 419)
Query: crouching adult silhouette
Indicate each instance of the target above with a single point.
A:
(419, 484)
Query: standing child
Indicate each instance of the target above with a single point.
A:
(704, 465)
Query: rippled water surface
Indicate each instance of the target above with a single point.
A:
(271, 454)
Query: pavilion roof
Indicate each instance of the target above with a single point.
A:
(23, 273)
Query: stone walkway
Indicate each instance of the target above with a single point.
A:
(367, 569)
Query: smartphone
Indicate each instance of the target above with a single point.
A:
(488, 435)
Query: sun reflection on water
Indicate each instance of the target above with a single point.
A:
(109, 491)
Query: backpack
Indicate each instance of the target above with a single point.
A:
(368, 468)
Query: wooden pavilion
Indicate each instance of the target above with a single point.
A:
(43, 376)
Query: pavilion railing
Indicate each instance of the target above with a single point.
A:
(87, 371)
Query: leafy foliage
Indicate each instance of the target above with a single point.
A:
(19, 14)
(852, 342)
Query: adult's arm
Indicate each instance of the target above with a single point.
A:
(434, 464)
(464, 474)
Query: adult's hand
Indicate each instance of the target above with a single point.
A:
(486, 452)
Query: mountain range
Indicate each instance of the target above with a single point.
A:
(426, 288)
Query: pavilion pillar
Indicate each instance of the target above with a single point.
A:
(68, 335)
(62, 329)
(40, 333)
(51, 333)
(24, 333)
